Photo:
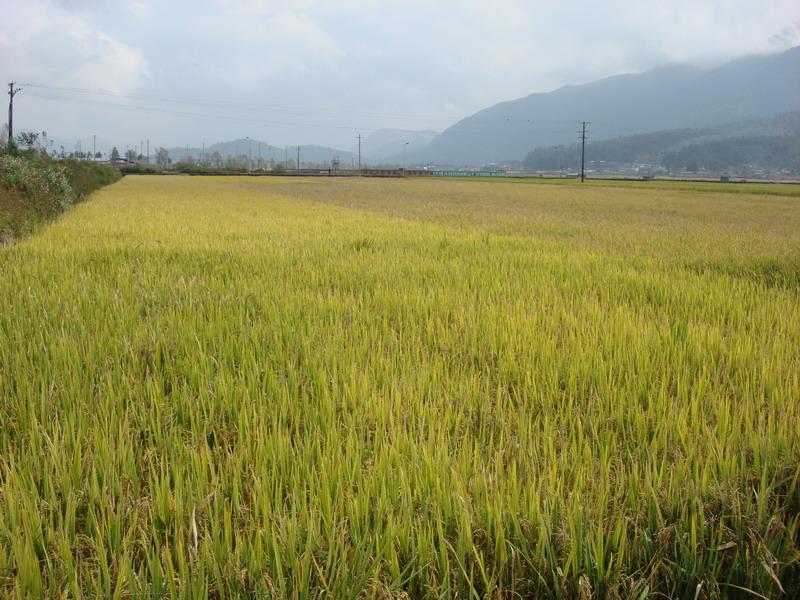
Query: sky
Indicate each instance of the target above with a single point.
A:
(324, 71)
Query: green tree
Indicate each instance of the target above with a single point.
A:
(162, 157)
(28, 139)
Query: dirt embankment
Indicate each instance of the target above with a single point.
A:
(35, 189)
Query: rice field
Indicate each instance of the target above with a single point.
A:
(358, 388)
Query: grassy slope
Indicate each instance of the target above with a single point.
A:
(86, 177)
(449, 388)
(19, 214)
(17, 217)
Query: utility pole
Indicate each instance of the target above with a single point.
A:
(298, 159)
(12, 91)
(359, 154)
(94, 146)
(286, 157)
(583, 138)
(203, 154)
(148, 151)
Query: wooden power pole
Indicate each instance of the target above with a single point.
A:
(583, 138)
(12, 91)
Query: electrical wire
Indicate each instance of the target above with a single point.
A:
(530, 125)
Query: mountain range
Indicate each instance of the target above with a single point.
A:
(382, 146)
(669, 97)
(386, 145)
(254, 149)
(682, 99)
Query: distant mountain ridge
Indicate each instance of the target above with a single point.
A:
(256, 148)
(386, 145)
(670, 97)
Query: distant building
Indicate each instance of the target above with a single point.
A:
(118, 163)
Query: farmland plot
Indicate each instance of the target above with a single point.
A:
(305, 388)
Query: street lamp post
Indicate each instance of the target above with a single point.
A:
(403, 164)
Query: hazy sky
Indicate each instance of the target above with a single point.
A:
(322, 71)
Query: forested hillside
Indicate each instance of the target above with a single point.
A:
(766, 143)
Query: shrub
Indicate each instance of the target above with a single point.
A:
(35, 188)
(140, 170)
(85, 177)
(190, 169)
(44, 182)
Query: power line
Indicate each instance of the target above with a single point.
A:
(520, 125)
(228, 103)
(511, 121)
(281, 124)
(179, 113)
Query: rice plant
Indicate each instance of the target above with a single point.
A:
(226, 387)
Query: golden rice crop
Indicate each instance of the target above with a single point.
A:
(418, 388)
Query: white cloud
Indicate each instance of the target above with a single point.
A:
(44, 44)
(251, 46)
(138, 7)
(439, 60)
